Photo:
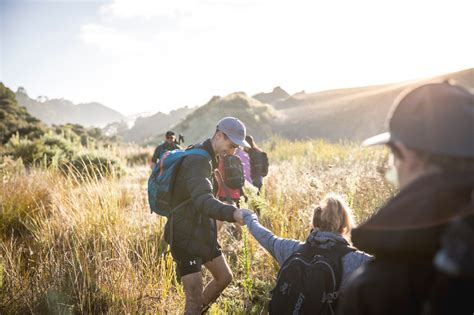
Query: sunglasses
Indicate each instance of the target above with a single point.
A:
(233, 145)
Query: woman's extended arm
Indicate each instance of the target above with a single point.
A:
(279, 248)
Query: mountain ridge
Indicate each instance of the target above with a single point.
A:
(63, 111)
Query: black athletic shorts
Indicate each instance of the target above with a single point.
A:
(187, 263)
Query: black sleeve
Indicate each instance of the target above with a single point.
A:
(372, 291)
(156, 154)
(353, 300)
(197, 172)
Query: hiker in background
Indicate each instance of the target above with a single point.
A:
(330, 237)
(180, 139)
(191, 230)
(258, 163)
(169, 144)
(423, 238)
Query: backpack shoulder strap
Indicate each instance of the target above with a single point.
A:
(342, 249)
(187, 152)
(337, 250)
(197, 151)
(335, 255)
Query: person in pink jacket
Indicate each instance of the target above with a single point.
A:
(245, 158)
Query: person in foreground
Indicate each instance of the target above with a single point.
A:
(332, 224)
(191, 230)
(423, 238)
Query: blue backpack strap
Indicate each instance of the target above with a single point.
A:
(191, 151)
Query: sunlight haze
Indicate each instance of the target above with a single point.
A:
(148, 56)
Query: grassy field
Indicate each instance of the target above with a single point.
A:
(83, 244)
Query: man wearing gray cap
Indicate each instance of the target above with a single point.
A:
(423, 238)
(191, 230)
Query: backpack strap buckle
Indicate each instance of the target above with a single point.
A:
(330, 297)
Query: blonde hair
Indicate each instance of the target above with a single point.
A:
(334, 214)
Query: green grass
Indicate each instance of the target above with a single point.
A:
(90, 245)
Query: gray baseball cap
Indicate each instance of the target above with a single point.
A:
(234, 129)
(436, 118)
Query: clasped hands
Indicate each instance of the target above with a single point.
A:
(239, 215)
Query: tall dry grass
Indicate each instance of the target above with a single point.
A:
(90, 245)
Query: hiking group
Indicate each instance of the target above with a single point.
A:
(415, 255)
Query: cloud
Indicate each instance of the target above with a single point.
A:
(186, 51)
(147, 8)
(112, 41)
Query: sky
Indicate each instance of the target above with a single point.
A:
(157, 55)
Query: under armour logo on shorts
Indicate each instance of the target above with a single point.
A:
(192, 262)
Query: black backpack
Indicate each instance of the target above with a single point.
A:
(259, 163)
(233, 172)
(308, 281)
(265, 164)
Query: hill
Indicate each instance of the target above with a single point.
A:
(353, 114)
(201, 123)
(146, 128)
(339, 114)
(274, 97)
(61, 111)
(16, 119)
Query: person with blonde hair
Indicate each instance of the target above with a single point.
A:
(334, 215)
(332, 224)
(312, 272)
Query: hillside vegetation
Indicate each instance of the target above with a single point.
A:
(342, 114)
(349, 113)
(202, 122)
(84, 244)
(16, 119)
(352, 114)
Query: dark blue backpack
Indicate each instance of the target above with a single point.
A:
(161, 181)
(309, 280)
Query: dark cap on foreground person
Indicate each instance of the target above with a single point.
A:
(436, 118)
(234, 129)
(169, 133)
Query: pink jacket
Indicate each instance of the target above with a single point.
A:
(244, 157)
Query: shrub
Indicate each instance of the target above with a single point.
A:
(24, 198)
(9, 166)
(92, 166)
(27, 150)
(137, 159)
(48, 150)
